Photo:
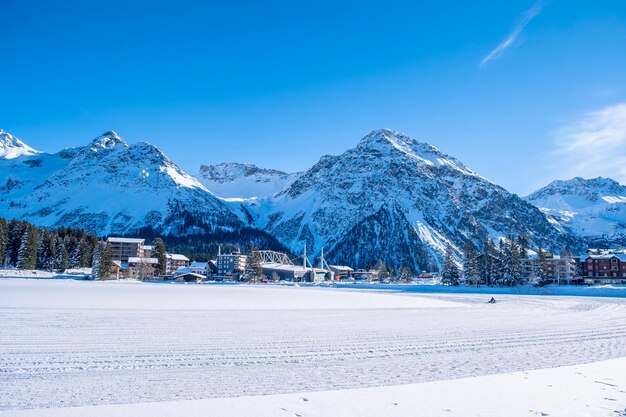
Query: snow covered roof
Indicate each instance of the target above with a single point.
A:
(189, 269)
(341, 268)
(177, 257)
(189, 273)
(135, 260)
(620, 256)
(124, 240)
(198, 264)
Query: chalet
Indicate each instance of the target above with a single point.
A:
(189, 277)
(116, 272)
(200, 268)
(604, 269)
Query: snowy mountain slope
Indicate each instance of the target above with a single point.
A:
(11, 147)
(590, 208)
(236, 180)
(397, 199)
(109, 187)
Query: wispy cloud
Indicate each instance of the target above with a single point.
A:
(512, 37)
(595, 145)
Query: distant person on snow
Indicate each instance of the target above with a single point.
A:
(492, 301)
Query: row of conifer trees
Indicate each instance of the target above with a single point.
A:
(25, 246)
(498, 264)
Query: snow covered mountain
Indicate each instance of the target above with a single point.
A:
(236, 180)
(11, 147)
(396, 199)
(591, 208)
(109, 187)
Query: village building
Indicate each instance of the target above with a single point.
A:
(341, 271)
(116, 270)
(189, 277)
(604, 269)
(200, 268)
(231, 264)
(141, 268)
(560, 270)
(365, 275)
(175, 261)
(123, 248)
(148, 251)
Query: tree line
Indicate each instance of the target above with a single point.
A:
(25, 246)
(497, 265)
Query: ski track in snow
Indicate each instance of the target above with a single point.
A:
(61, 354)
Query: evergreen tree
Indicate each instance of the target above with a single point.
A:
(41, 248)
(4, 238)
(27, 252)
(471, 270)
(47, 250)
(105, 261)
(95, 261)
(540, 270)
(497, 264)
(14, 241)
(86, 248)
(85, 255)
(161, 255)
(72, 252)
(60, 258)
(254, 271)
(511, 265)
(508, 267)
(486, 263)
(450, 272)
(522, 246)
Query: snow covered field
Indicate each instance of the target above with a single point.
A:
(76, 348)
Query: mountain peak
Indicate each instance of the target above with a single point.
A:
(107, 140)
(590, 188)
(11, 147)
(384, 137)
(388, 142)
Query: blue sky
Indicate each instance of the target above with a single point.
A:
(518, 90)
